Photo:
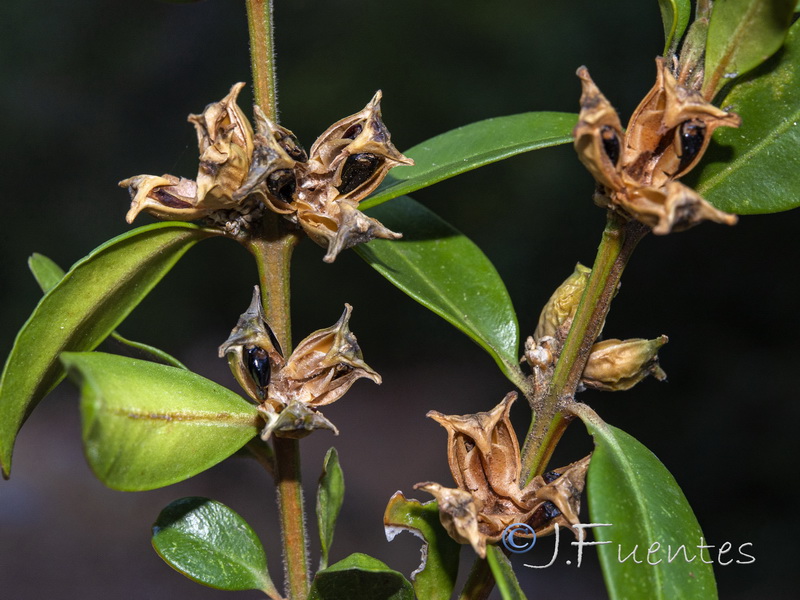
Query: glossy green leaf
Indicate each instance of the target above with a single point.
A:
(86, 305)
(504, 576)
(473, 146)
(436, 576)
(147, 425)
(629, 488)
(360, 577)
(47, 274)
(446, 272)
(211, 544)
(742, 34)
(754, 169)
(675, 17)
(330, 495)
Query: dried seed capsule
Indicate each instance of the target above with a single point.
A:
(616, 365)
(253, 350)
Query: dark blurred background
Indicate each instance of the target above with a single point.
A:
(97, 90)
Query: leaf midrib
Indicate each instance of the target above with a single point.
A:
(736, 164)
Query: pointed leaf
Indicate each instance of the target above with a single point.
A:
(360, 577)
(330, 495)
(473, 146)
(675, 16)
(503, 574)
(446, 272)
(47, 274)
(211, 544)
(629, 488)
(742, 34)
(436, 576)
(757, 164)
(147, 425)
(86, 305)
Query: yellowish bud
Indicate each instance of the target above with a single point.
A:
(616, 365)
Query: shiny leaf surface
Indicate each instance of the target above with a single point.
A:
(96, 295)
(446, 272)
(473, 146)
(47, 274)
(629, 488)
(147, 425)
(360, 577)
(675, 17)
(754, 169)
(211, 544)
(742, 34)
(436, 576)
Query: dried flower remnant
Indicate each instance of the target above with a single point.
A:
(243, 171)
(346, 163)
(289, 392)
(225, 141)
(616, 365)
(483, 454)
(636, 171)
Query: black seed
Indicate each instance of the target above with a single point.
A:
(550, 511)
(352, 132)
(257, 363)
(551, 476)
(691, 135)
(357, 169)
(281, 184)
(610, 141)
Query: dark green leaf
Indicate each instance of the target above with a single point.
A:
(757, 165)
(211, 544)
(86, 305)
(675, 16)
(503, 574)
(436, 576)
(742, 34)
(628, 487)
(360, 577)
(48, 274)
(147, 425)
(443, 270)
(330, 495)
(473, 146)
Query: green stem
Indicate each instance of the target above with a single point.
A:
(272, 243)
(480, 581)
(262, 56)
(618, 242)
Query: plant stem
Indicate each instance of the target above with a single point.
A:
(480, 581)
(618, 242)
(262, 56)
(272, 243)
